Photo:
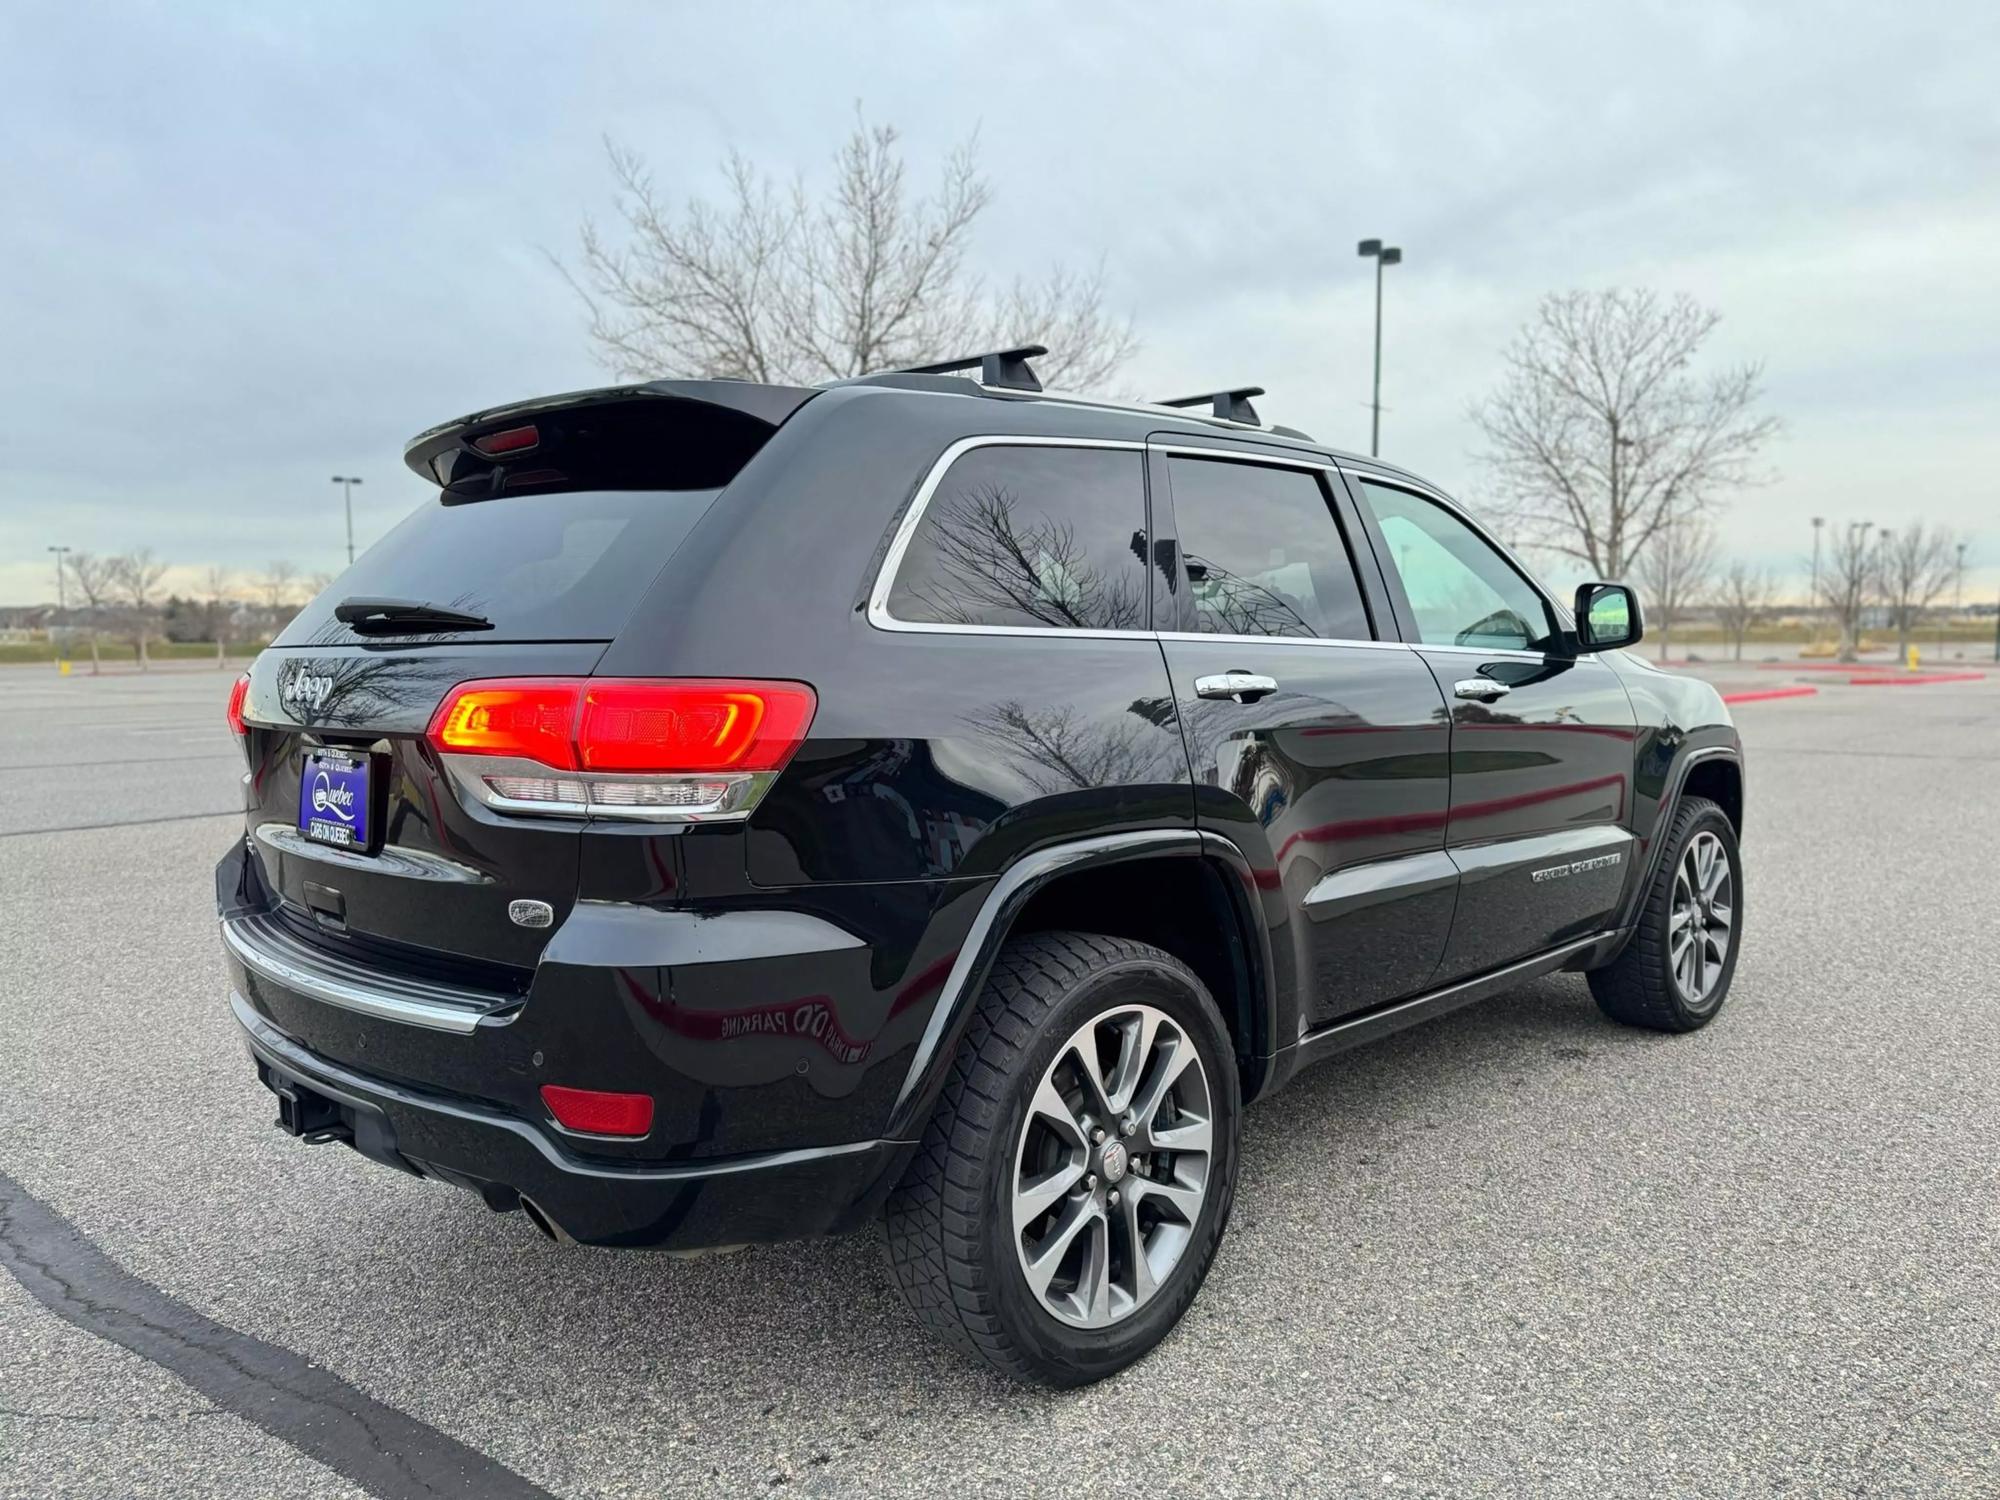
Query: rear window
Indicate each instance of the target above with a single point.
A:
(1049, 538)
(551, 567)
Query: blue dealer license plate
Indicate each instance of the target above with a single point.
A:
(333, 799)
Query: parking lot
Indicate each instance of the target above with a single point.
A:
(1517, 1251)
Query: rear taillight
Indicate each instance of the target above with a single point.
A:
(238, 691)
(671, 750)
(597, 1112)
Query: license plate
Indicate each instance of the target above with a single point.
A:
(333, 799)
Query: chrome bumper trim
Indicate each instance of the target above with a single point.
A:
(266, 949)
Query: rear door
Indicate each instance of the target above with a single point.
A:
(1542, 737)
(1318, 746)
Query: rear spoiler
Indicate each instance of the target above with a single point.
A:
(665, 434)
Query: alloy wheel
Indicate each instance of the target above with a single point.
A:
(1112, 1168)
(1701, 923)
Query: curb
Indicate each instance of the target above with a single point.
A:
(1761, 694)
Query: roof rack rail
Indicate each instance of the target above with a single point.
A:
(1004, 369)
(1230, 406)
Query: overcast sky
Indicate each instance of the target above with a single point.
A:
(244, 249)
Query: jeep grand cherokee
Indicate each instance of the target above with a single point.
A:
(729, 812)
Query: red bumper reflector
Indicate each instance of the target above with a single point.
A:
(238, 690)
(596, 1112)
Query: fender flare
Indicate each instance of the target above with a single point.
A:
(1670, 805)
(994, 921)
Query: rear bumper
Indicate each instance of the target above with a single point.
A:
(771, 1196)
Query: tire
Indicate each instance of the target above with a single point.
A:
(1648, 983)
(999, 1143)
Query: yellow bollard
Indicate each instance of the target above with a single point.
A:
(62, 667)
(1913, 658)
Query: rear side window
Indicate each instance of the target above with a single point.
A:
(1264, 553)
(550, 567)
(1030, 536)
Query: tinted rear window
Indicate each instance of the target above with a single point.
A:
(561, 567)
(1052, 538)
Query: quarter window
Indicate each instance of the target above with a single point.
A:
(1461, 590)
(1030, 536)
(1264, 553)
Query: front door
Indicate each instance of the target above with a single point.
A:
(1318, 746)
(1542, 738)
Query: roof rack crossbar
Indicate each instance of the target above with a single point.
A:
(1231, 406)
(1004, 369)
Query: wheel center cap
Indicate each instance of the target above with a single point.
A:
(1113, 1161)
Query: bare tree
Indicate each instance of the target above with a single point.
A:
(136, 575)
(92, 576)
(318, 583)
(215, 585)
(1600, 437)
(1742, 596)
(1915, 565)
(773, 284)
(1849, 581)
(1674, 575)
(279, 583)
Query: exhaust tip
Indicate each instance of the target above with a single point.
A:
(543, 1222)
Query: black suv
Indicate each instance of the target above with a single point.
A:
(731, 812)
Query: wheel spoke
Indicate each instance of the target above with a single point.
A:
(1720, 916)
(1139, 1269)
(1189, 1132)
(1093, 1284)
(1047, 1256)
(1083, 1048)
(1050, 1107)
(1185, 1198)
(1167, 1070)
(1135, 1051)
(1038, 1195)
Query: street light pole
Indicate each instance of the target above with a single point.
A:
(347, 483)
(63, 599)
(1384, 256)
(1819, 522)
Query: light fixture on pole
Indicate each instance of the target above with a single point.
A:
(62, 597)
(1389, 255)
(347, 482)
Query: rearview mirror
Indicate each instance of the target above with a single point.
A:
(1607, 617)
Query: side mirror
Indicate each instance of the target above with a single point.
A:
(1607, 617)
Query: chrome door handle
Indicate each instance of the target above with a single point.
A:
(1484, 688)
(1242, 687)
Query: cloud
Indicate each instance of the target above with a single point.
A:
(248, 251)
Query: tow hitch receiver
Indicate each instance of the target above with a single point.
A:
(313, 1118)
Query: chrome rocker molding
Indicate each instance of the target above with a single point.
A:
(264, 948)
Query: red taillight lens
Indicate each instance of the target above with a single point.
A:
(613, 724)
(596, 1112)
(532, 719)
(672, 750)
(692, 726)
(238, 691)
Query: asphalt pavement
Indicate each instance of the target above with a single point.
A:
(1519, 1251)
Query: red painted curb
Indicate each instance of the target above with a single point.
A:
(1917, 681)
(1819, 666)
(1762, 693)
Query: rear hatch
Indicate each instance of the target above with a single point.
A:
(551, 521)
